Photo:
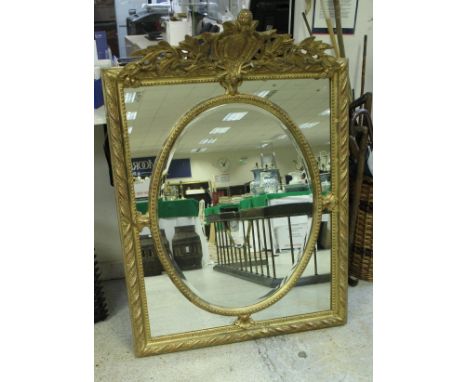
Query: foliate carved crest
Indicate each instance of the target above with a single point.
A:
(237, 51)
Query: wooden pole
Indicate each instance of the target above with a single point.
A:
(363, 72)
(330, 29)
(339, 29)
(307, 23)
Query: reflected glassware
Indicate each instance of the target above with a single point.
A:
(270, 184)
(255, 187)
(296, 177)
(325, 183)
(326, 187)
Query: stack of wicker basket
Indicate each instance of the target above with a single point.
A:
(361, 261)
(100, 306)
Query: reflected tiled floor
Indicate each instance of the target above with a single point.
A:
(168, 309)
(341, 353)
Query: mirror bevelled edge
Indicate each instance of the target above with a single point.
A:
(228, 57)
(243, 313)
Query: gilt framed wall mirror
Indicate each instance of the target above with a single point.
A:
(229, 157)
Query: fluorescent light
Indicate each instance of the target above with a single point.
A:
(131, 115)
(130, 128)
(207, 141)
(265, 144)
(235, 116)
(198, 150)
(130, 97)
(325, 112)
(280, 136)
(308, 125)
(219, 130)
(262, 93)
(265, 93)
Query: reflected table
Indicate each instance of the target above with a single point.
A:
(177, 213)
(248, 240)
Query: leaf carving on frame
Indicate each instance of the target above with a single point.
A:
(229, 55)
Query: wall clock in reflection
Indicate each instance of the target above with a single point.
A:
(223, 164)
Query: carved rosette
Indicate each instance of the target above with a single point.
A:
(230, 55)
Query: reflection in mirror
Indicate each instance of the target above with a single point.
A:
(152, 111)
(308, 104)
(235, 205)
(245, 256)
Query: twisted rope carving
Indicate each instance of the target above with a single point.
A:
(228, 334)
(122, 184)
(342, 196)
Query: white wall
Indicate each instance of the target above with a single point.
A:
(204, 165)
(106, 229)
(353, 43)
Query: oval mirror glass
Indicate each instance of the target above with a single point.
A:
(235, 206)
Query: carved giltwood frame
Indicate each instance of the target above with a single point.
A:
(237, 54)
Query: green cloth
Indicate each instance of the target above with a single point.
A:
(262, 200)
(253, 201)
(246, 203)
(216, 210)
(142, 205)
(171, 208)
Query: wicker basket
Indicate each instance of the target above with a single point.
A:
(361, 260)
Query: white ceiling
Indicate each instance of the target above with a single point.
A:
(158, 108)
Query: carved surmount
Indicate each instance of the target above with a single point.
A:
(230, 55)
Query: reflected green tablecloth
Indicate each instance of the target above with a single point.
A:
(215, 210)
(262, 200)
(189, 207)
(171, 208)
(253, 202)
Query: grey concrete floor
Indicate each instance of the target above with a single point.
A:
(336, 354)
